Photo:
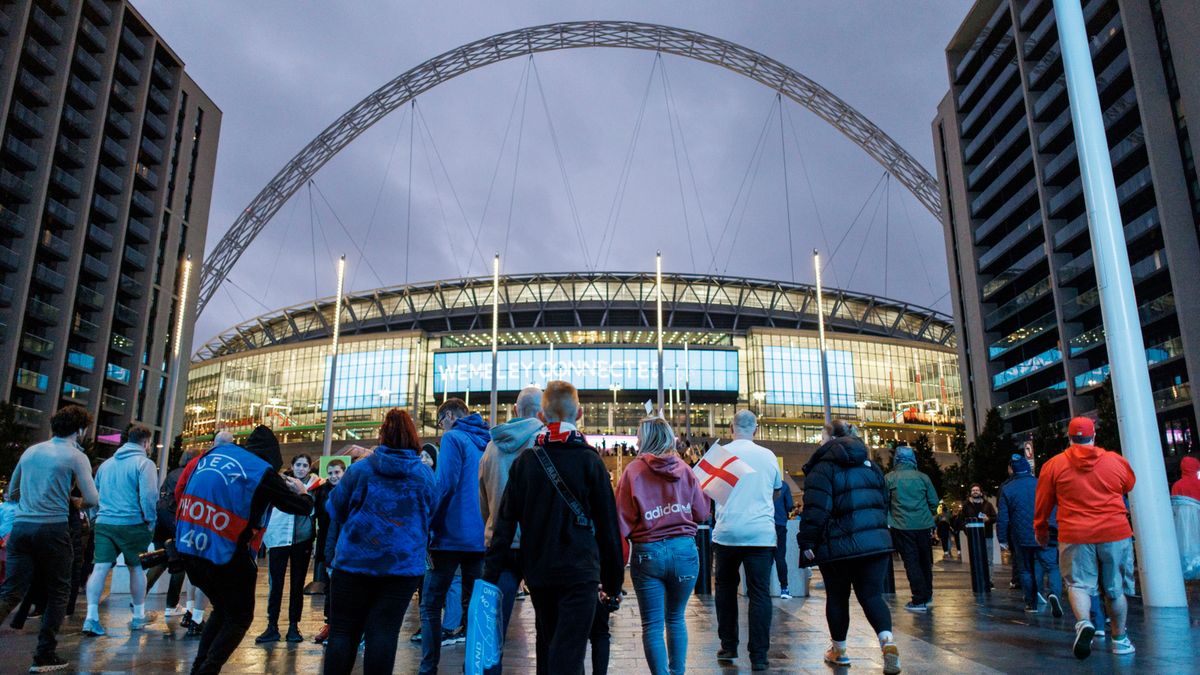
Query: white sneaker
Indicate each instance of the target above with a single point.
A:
(784, 595)
(174, 611)
(1122, 645)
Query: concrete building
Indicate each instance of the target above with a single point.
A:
(106, 170)
(1021, 269)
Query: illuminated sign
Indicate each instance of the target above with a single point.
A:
(376, 379)
(793, 376)
(586, 368)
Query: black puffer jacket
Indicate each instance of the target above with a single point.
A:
(845, 504)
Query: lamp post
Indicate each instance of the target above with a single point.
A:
(759, 397)
(821, 339)
(687, 392)
(612, 412)
(495, 334)
(385, 395)
(658, 304)
(168, 430)
(327, 446)
(1157, 546)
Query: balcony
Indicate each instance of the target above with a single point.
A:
(10, 223)
(983, 139)
(34, 86)
(19, 188)
(135, 258)
(1015, 271)
(50, 28)
(93, 35)
(1173, 397)
(40, 56)
(89, 297)
(1022, 335)
(105, 208)
(28, 417)
(28, 119)
(88, 63)
(72, 152)
(138, 230)
(56, 246)
(151, 150)
(114, 150)
(121, 344)
(111, 179)
(1159, 353)
(147, 174)
(122, 97)
(9, 260)
(115, 373)
(132, 42)
(126, 315)
(126, 68)
(32, 380)
(143, 203)
(156, 127)
(159, 100)
(1002, 214)
(60, 213)
(163, 74)
(100, 237)
(68, 183)
(21, 152)
(80, 361)
(37, 347)
(120, 124)
(1019, 167)
(103, 14)
(129, 286)
(76, 393)
(95, 266)
(85, 330)
(113, 404)
(49, 278)
(77, 121)
(1055, 392)
(1026, 368)
(42, 311)
(1012, 307)
(83, 92)
(6, 296)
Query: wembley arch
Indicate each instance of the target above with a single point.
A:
(552, 37)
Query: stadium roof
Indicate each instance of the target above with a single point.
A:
(593, 300)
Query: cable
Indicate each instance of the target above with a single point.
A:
(344, 229)
(811, 193)
(787, 199)
(745, 176)
(437, 190)
(687, 157)
(913, 232)
(855, 221)
(512, 197)
(887, 231)
(867, 238)
(312, 231)
(412, 128)
(379, 196)
(687, 227)
(562, 167)
(248, 294)
(279, 249)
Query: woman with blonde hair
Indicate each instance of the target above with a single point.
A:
(660, 504)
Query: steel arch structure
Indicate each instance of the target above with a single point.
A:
(552, 37)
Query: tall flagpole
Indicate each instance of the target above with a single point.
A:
(495, 333)
(327, 447)
(168, 430)
(821, 339)
(658, 302)
(1157, 546)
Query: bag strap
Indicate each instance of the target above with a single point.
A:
(581, 518)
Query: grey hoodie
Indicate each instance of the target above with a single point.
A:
(508, 440)
(128, 484)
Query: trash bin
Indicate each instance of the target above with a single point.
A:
(704, 548)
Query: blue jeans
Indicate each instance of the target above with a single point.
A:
(664, 573)
(439, 576)
(1034, 562)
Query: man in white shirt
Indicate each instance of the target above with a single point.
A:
(744, 536)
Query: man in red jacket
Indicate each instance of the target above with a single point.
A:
(1088, 485)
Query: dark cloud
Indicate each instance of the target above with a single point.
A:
(282, 71)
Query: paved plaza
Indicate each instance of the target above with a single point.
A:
(959, 635)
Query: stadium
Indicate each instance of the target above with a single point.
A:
(728, 343)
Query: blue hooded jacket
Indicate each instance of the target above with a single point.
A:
(382, 508)
(457, 519)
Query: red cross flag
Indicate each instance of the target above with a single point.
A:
(718, 471)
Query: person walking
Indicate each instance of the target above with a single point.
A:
(945, 532)
(164, 529)
(978, 509)
(560, 496)
(289, 542)
(383, 507)
(456, 532)
(1088, 484)
(784, 505)
(39, 543)
(508, 441)
(1188, 484)
(912, 501)
(320, 583)
(1014, 528)
(128, 485)
(844, 531)
(660, 504)
(223, 497)
(744, 539)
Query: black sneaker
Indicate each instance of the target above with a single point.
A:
(1082, 647)
(48, 663)
(196, 629)
(187, 621)
(758, 665)
(727, 654)
(416, 638)
(271, 634)
(293, 634)
(453, 637)
(1055, 606)
(916, 607)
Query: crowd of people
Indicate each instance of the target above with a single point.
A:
(529, 505)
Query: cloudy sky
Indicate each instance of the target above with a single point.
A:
(412, 196)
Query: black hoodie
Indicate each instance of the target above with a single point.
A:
(273, 490)
(845, 504)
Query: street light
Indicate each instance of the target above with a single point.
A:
(759, 396)
(612, 412)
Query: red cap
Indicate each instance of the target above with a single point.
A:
(1081, 427)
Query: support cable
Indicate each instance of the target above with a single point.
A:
(688, 159)
(345, 230)
(250, 295)
(437, 190)
(687, 226)
(412, 129)
(912, 231)
(887, 231)
(855, 221)
(811, 193)
(512, 197)
(562, 167)
(312, 233)
(787, 199)
(379, 195)
(745, 207)
(742, 186)
(867, 237)
(279, 249)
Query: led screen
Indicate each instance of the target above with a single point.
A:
(370, 379)
(793, 376)
(586, 368)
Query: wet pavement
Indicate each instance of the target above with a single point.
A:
(961, 634)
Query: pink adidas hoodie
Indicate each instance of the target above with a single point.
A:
(659, 497)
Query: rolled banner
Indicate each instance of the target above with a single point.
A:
(485, 639)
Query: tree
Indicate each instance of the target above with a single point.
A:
(993, 450)
(1048, 439)
(926, 463)
(1108, 433)
(14, 438)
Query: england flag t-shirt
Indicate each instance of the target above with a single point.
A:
(748, 516)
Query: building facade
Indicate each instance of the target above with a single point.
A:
(106, 170)
(1021, 271)
(728, 343)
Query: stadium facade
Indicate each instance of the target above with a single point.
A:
(728, 343)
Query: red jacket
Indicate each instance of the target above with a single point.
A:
(1189, 484)
(1088, 484)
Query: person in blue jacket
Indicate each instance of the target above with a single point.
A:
(456, 532)
(1014, 527)
(784, 505)
(381, 509)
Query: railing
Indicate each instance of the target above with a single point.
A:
(155, 125)
(81, 361)
(152, 150)
(116, 373)
(85, 329)
(34, 86)
(129, 286)
(6, 295)
(1027, 367)
(112, 179)
(162, 73)
(49, 277)
(101, 10)
(95, 266)
(135, 257)
(37, 346)
(104, 207)
(72, 151)
(126, 68)
(56, 245)
(129, 39)
(159, 100)
(122, 95)
(18, 149)
(126, 315)
(28, 119)
(138, 229)
(15, 185)
(100, 237)
(42, 311)
(1170, 397)
(147, 174)
(143, 202)
(32, 380)
(76, 393)
(113, 404)
(93, 34)
(84, 91)
(47, 24)
(1020, 302)
(114, 150)
(9, 260)
(121, 344)
(66, 181)
(89, 297)
(10, 222)
(120, 124)
(40, 55)
(29, 417)
(1055, 392)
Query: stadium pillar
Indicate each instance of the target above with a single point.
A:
(821, 341)
(495, 333)
(658, 300)
(168, 430)
(1158, 549)
(327, 446)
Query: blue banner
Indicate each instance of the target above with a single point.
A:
(484, 638)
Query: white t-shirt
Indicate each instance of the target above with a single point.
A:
(748, 516)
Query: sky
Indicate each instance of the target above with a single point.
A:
(614, 152)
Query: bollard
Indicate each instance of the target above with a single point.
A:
(889, 577)
(704, 549)
(977, 553)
